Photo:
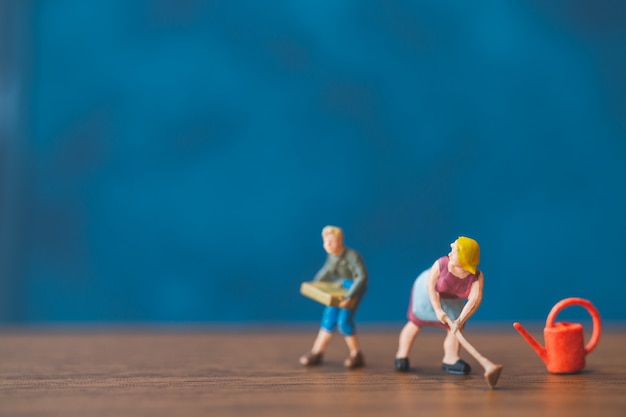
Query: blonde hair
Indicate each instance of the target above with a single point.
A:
(332, 230)
(469, 253)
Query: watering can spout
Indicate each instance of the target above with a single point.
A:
(541, 351)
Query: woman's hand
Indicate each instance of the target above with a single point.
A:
(443, 317)
(455, 325)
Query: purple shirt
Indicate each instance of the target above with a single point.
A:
(450, 286)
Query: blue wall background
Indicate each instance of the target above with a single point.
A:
(176, 160)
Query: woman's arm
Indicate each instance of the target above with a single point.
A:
(473, 301)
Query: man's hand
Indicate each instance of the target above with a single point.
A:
(345, 302)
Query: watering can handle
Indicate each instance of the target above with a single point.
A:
(591, 309)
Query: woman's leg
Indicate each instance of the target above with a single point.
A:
(406, 339)
(452, 362)
(450, 349)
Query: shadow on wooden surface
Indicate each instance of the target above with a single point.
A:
(222, 372)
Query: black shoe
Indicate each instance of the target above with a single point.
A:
(459, 368)
(402, 364)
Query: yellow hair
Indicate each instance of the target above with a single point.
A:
(469, 253)
(333, 230)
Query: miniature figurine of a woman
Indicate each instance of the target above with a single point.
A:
(343, 265)
(438, 298)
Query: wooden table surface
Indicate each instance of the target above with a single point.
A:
(237, 372)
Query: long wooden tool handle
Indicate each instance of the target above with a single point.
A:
(492, 371)
(484, 362)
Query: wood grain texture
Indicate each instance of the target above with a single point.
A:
(222, 372)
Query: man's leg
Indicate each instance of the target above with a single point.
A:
(321, 341)
(346, 326)
(329, 322)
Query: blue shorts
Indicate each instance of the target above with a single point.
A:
(341, 318)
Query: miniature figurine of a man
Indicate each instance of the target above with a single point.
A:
(343, 265)
(438, 298)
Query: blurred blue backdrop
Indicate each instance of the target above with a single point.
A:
(176, 160)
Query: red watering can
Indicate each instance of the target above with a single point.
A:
(565, 349)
